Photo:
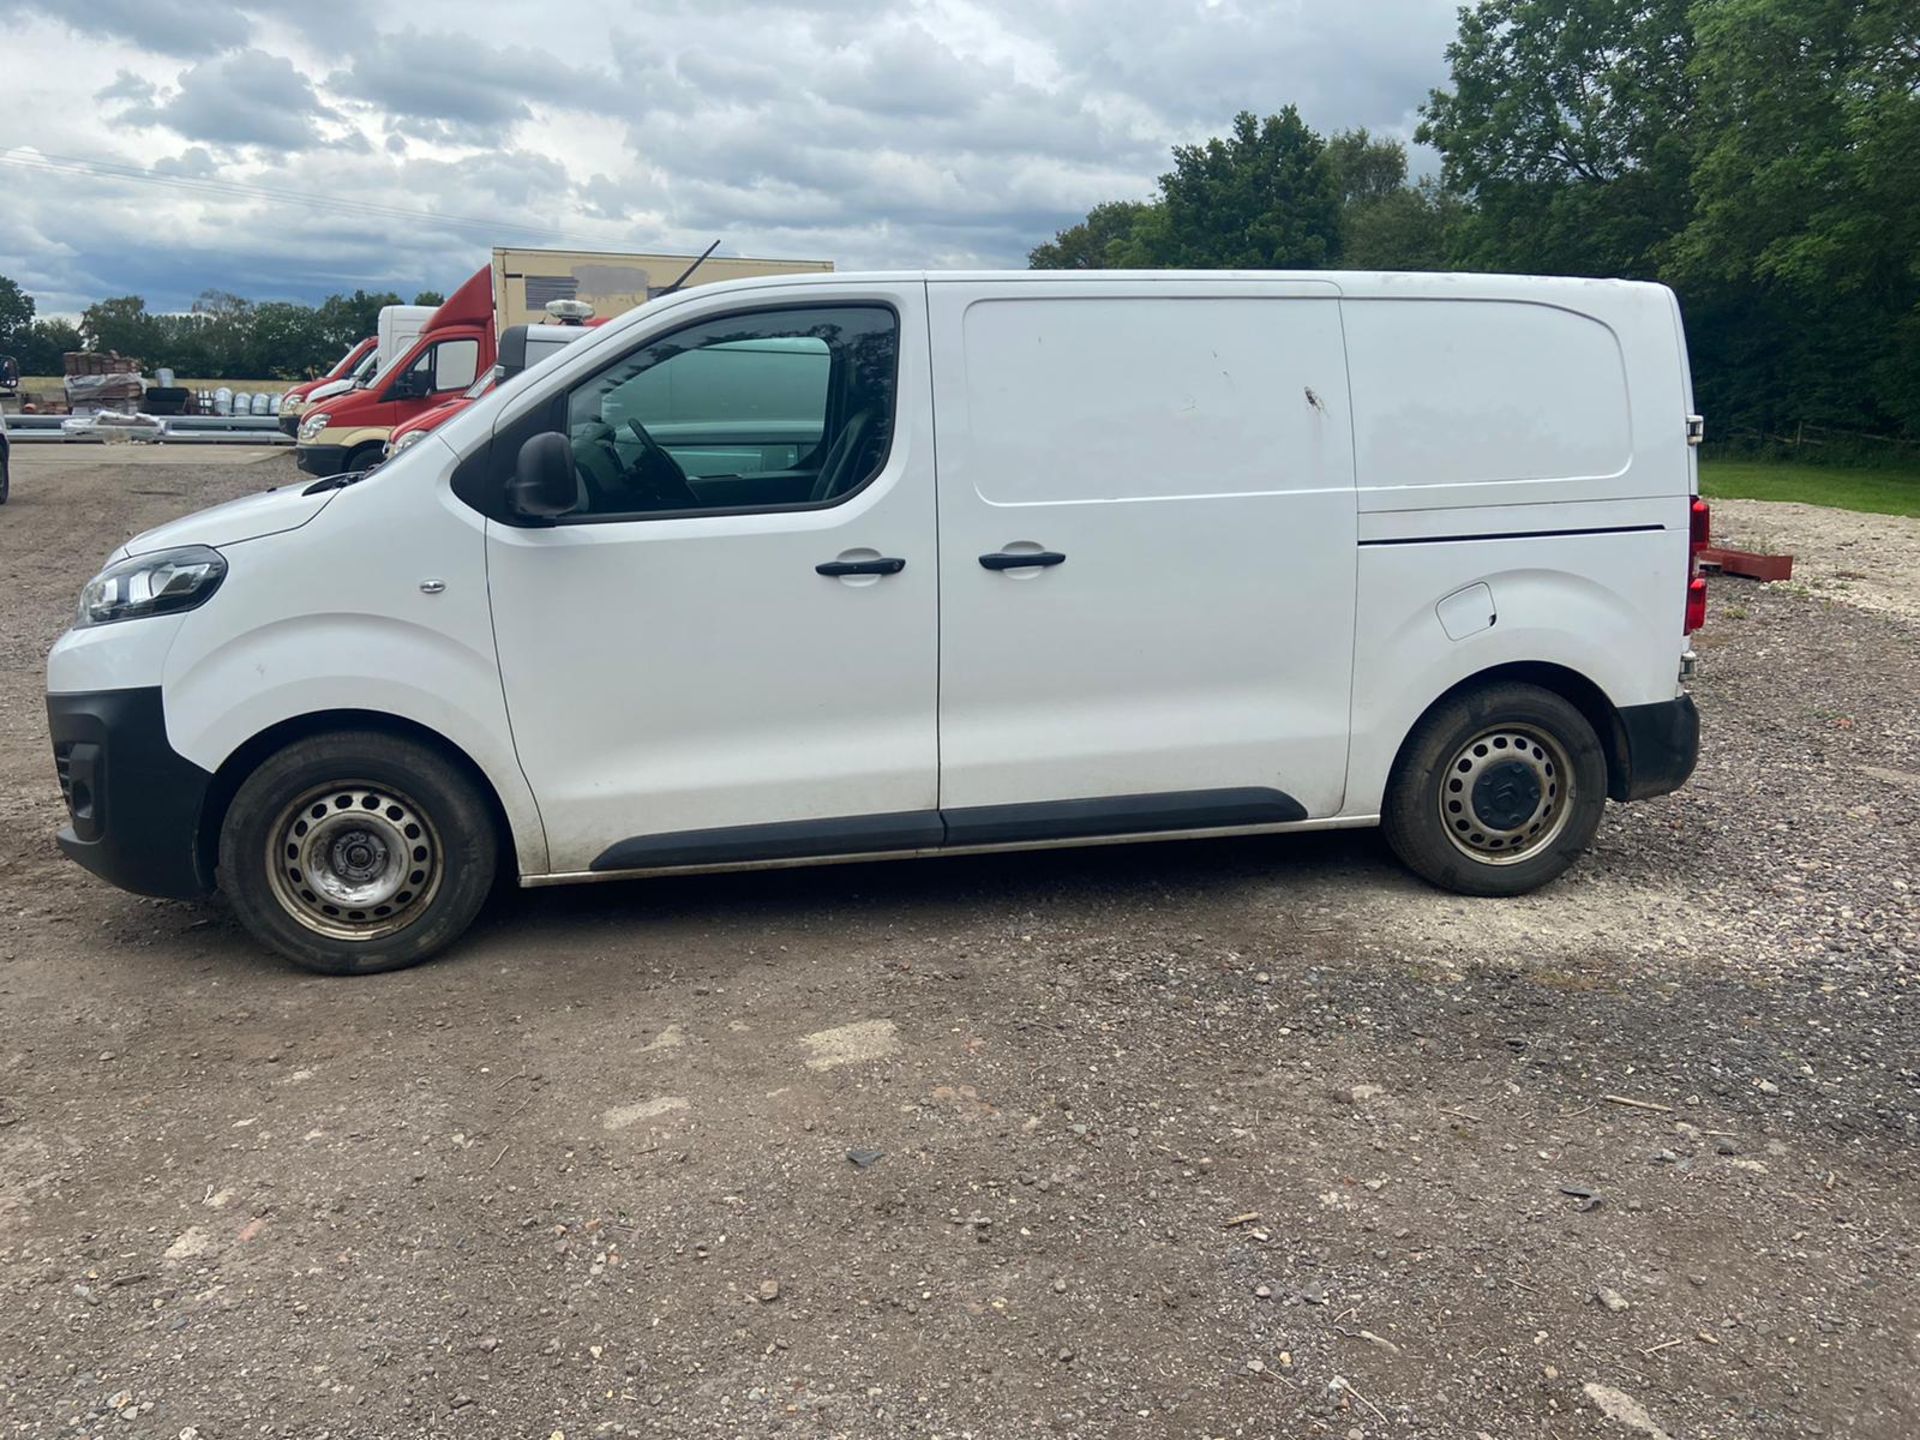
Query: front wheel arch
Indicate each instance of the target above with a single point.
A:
(235, 769)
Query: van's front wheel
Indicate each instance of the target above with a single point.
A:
(351, 853)
(1497, 791)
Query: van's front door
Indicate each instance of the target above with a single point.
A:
(1147, 553)
(727, 651)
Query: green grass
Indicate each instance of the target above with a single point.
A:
(1883, 492)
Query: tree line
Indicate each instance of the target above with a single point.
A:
(223, 337)
(1760, 156)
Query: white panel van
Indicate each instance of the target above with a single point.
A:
(811, 568)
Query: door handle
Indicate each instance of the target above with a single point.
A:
(885, 565)
(1021, 559)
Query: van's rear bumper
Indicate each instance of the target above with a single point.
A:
(1662, 747)
(133, 802)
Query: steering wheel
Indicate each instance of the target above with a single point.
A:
(658, 476)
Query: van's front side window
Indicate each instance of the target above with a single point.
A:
(746, 412)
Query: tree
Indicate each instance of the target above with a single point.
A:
(346, 319)
(1804, 245)
(1411, 228)
(285, 341)
(429, 297)
(1566, 131)
(1385, 223)
(44, 347)
(121, 324)
(16, 318)
(1095, 241)
(1366, 170)
(1264, 197)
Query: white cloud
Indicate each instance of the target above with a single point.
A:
(934, 132)
(241, 98)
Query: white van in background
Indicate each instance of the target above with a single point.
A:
(797, 569)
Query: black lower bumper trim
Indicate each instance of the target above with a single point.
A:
(133, 802)
(321, 460)
(1662, 746)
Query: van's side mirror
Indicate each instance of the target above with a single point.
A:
(544, 482)
(413, 385)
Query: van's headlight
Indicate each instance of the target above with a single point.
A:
(163, 583)
(314, 424)
(411, 438)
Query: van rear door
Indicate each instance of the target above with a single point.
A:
(1146, 552)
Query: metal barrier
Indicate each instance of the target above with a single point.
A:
(171, 430)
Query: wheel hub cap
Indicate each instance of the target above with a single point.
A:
(1506, 794)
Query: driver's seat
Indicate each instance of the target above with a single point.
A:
(841, 471)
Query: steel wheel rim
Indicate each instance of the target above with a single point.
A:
(354, 860)
(1506, 794)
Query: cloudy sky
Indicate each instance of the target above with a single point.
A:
(413, 136)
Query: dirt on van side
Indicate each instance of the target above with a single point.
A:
(1231, 1138)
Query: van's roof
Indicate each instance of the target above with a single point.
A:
(1403, 282)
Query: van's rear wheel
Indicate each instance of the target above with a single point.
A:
(356, 852)
(1497, 791)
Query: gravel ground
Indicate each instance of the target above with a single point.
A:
(1871, 561)
(1234, 1138)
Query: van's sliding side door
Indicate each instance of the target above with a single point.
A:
(1147, 554)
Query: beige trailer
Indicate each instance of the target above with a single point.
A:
(525, 280)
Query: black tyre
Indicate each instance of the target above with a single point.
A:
(365, 457)
(6, 479)
(1497, 791)
(356, 852)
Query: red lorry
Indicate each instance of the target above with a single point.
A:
(349, 432)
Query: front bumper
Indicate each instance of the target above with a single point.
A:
(133, 803)
(321, 460)
(1662, 745)
(290, 422)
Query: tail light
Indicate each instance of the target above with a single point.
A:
(1699, 533)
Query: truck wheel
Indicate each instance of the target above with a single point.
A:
(365, 457)
(355, 852)
(1497, 791)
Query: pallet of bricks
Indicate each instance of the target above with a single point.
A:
(102, 382)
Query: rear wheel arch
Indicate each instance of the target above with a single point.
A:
(1570, 685)
(235, 769)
